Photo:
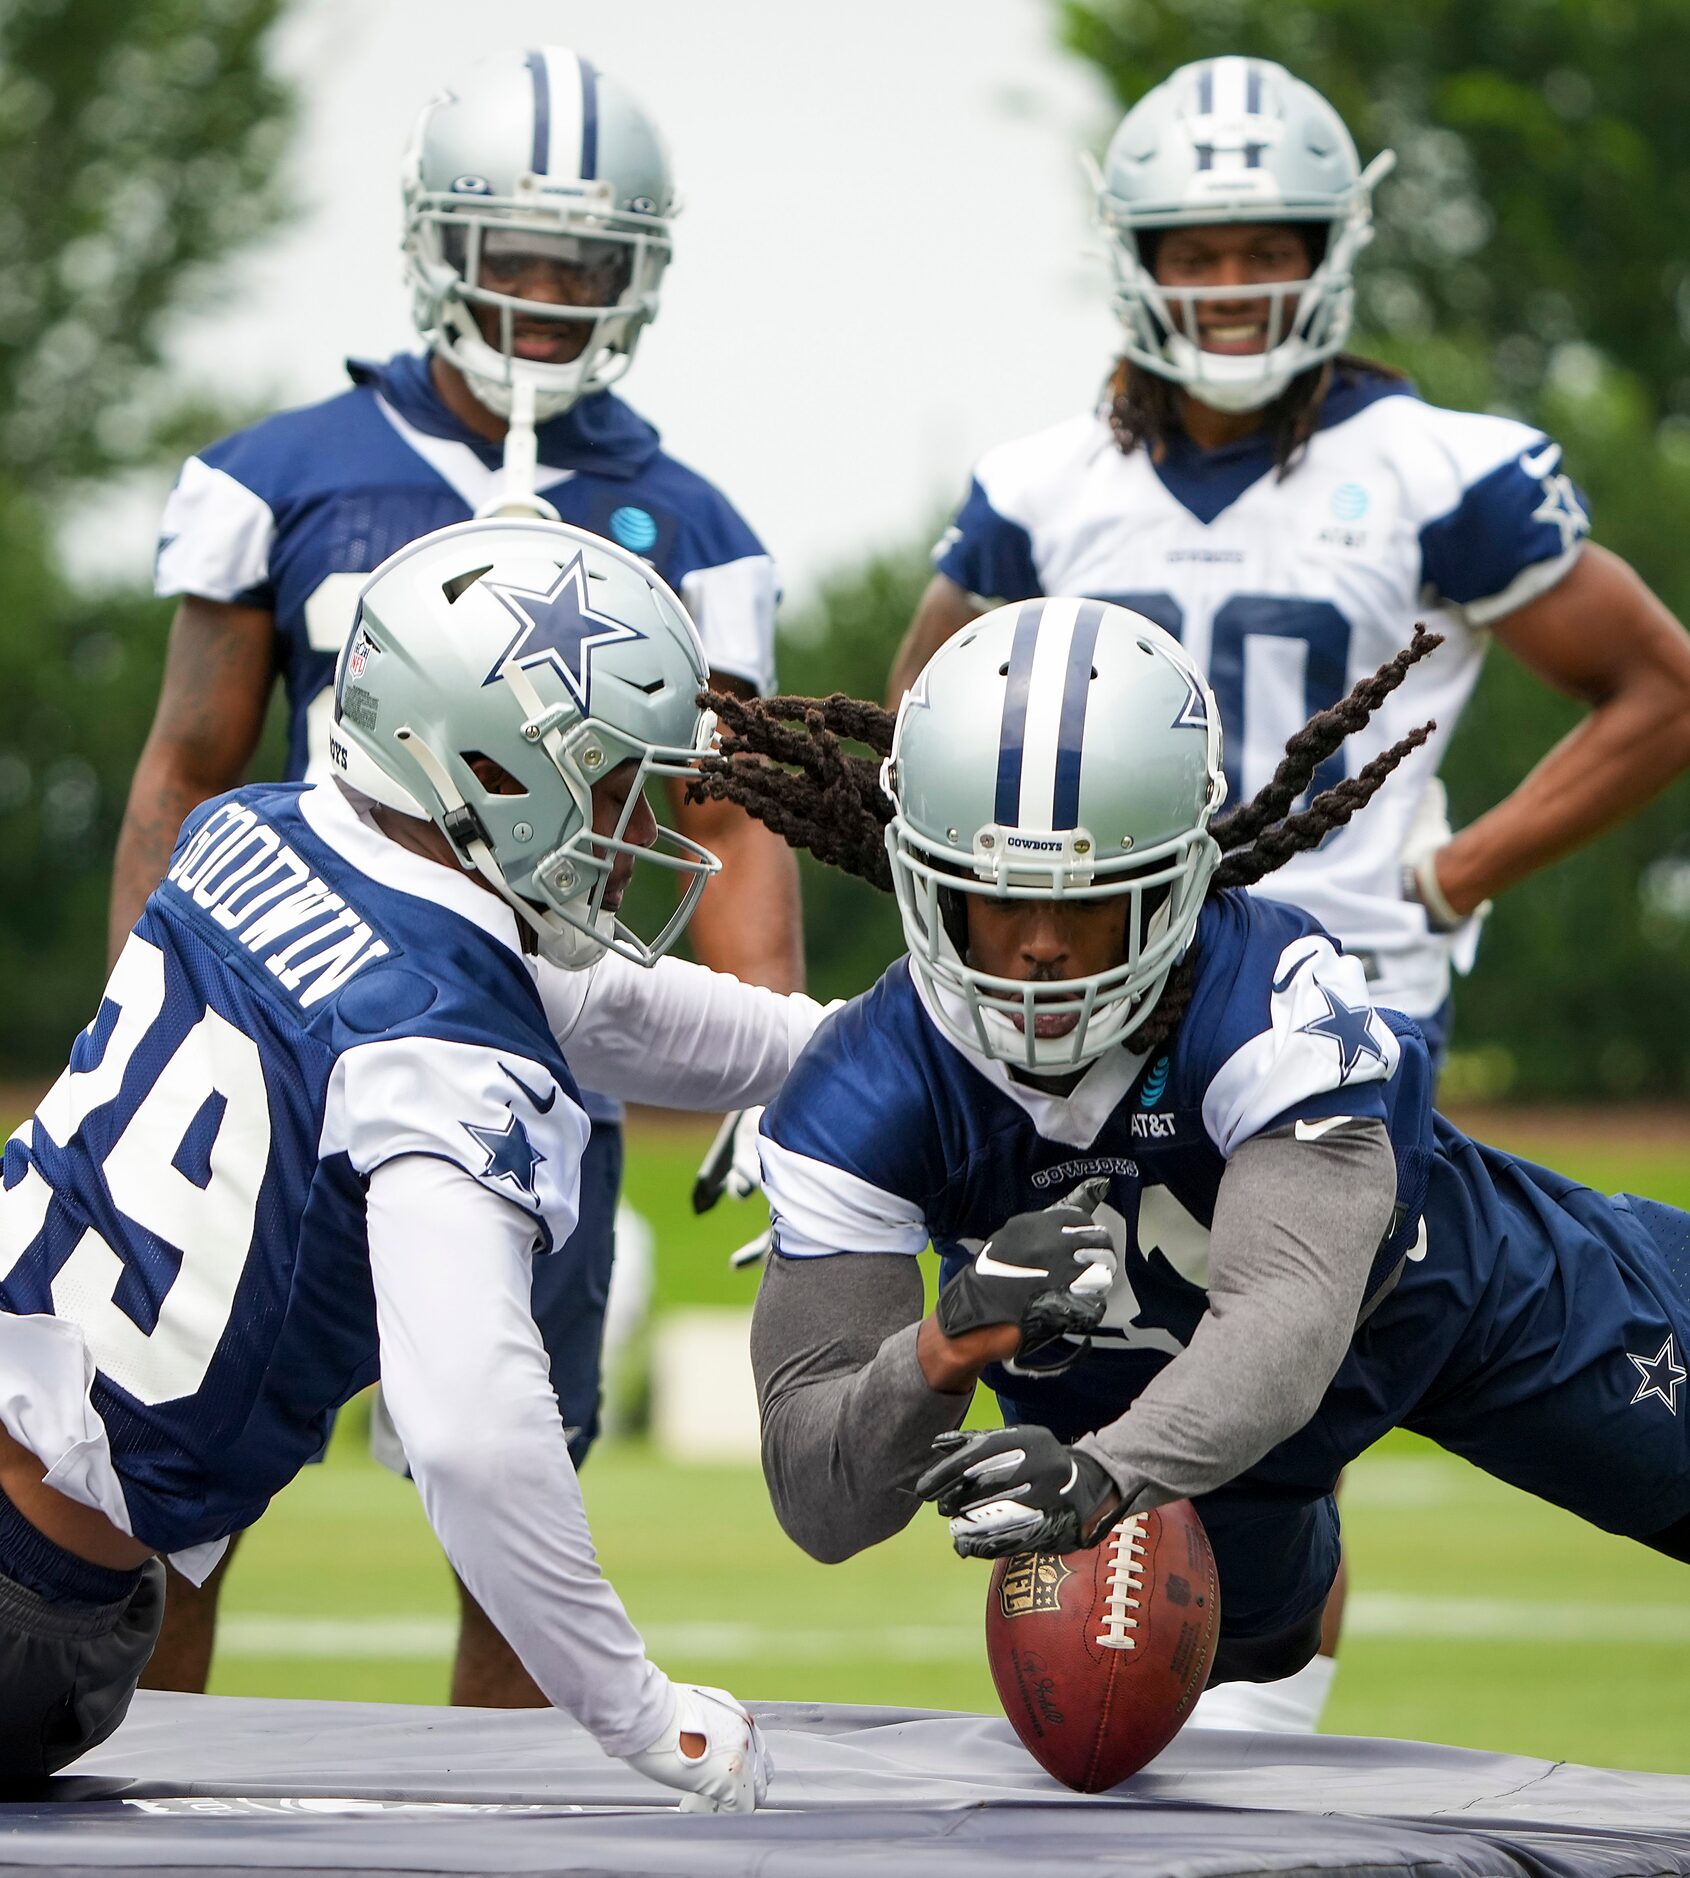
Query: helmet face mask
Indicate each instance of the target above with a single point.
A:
(1229, 141)
(536, 154)
(566, 663)
(998, 722)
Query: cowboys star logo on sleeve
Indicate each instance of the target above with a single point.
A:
(511, 1156)
(1350, 1027)
(558, 628)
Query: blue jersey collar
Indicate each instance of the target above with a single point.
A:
(1207, 482)
(601, 434)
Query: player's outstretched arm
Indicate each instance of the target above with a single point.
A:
(1299, 1219)
(848, 1414)
(1598, 635)
(467, 1383)
(855, 1384)
(217, 677)
(677, 1035)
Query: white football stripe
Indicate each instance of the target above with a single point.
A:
(563, 156)
(1041, 734)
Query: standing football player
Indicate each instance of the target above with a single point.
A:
(538, 203)
(1287, 511)
(1201, 1229)
(325, 1122)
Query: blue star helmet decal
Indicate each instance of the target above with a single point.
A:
(511, 1156)
(1194, 713)
(557, 628)
(1349, 1026)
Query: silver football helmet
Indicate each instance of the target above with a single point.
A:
(559, 656)
(1053, 749)
(536, 155)
(1235, 140)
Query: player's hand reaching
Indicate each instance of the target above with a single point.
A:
(1018, 1490)
(1048, 1273)
(730, 1774)
(732, 1165)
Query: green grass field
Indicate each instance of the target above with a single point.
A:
(1479, 1616)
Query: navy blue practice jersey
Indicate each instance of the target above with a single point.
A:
(301, 1002)
(888, 1136)
(292, 514)
(1512, 1314)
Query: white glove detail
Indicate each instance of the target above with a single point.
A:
(731, 1775)
(745, 1168)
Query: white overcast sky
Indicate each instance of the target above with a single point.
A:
(880, 270)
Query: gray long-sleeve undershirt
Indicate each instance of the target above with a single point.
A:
(849, 1418)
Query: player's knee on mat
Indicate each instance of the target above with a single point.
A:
(1266, 1659)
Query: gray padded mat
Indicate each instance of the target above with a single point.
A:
(197, 1784)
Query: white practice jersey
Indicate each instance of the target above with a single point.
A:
(1287, 592)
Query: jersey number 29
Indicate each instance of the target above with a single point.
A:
(200, 1207)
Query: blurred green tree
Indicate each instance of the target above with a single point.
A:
(141, 140)
(1530, 259)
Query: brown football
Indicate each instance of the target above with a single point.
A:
(1099, 1655)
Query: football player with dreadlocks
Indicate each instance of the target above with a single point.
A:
(539, 215)
(1201, 1229)
(1287, 509)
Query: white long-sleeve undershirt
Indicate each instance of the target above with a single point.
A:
(467, 1383)
(674, 1033)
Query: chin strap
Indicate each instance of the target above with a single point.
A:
(516, 494)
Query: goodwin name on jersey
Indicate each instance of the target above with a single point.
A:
(254, 886)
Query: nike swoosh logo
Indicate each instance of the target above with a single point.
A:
(1312, 1131)
(989, 1267)
(1541, 462)
(541, 1107)
(1281, 984)
(1417, 1251)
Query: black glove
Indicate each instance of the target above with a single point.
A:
(1019, 1490)
(1025, 1274)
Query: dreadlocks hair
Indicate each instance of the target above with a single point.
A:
(783, 761)
(1144, 409)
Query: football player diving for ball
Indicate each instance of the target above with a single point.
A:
(539, 220)
(1202, 1231)
(325, 1124)
(1287, 510)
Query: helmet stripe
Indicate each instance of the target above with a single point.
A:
(1075, 694)
(536, 62)
(1013, 729)
(1253, 90)
(589, 119)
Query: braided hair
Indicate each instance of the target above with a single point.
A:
(783, 761)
